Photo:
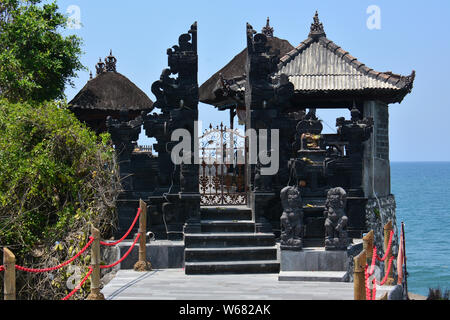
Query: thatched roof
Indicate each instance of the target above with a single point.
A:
(236, 68)
(111, 91)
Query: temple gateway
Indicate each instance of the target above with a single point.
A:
(225, 211)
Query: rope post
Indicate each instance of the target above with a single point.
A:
(368, 241)
(9, 262)
(95, 263)
(142, 264)
(387, 234)
(359, 283)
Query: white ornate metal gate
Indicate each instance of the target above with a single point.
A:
(223, 161)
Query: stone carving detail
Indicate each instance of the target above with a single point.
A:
(309, 131)
(263, 183)
(263, 89)
(267, 30)
(291, 219)
(108, 66)
(355, 131)
(317, 29)
(336, 237)
(177, 96)
(180, 92)
(124, 135)
(110, 63)
(267, 95)
(100, 66)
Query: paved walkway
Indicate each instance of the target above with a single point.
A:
(173, 284)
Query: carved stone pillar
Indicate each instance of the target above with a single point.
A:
(177, 97)
(124, 135)
(266, 95)
(356, 131)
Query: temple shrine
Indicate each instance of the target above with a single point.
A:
(231, 217)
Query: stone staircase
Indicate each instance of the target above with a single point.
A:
(228, 244)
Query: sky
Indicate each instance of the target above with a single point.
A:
(398, 36)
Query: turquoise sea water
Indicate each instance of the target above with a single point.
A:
(422, 192)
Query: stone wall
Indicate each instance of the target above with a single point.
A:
(378, 213)
(376, 166)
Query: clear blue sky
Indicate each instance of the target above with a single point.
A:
(413, 35)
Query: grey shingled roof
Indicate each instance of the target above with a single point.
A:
(318, 64)
(320, 67)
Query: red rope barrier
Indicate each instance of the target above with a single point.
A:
(387, 272)
(124, 256)
(91, 239)
(374, 290)
(388, 248)
(372, 265)
(371, 294)
(125, 235)
(366, 282)
(78, 287)
(60, 265)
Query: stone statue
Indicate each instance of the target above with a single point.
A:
(309, 131)
(291, 219)
(355, 131)
(336, 237)
(124, 134)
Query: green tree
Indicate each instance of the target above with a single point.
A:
(36, 61)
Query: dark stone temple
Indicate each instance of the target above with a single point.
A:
(329, 189)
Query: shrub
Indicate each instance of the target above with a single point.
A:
(56, 178)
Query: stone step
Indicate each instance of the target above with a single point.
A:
(227, 226)
(238, 239)
(230, 254)
(315, 276)
(226, 213)
(232, 267)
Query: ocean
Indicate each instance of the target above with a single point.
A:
(422, 192)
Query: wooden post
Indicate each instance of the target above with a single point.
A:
(95, 264)
(359, 280)
(142, 264)
(9, 262)
(387, 233)
(368, 240)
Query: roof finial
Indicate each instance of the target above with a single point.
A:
(100, 67)
(267, 30)
(317, 30)
(110, 62)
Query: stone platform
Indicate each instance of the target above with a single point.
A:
(314, 276)
(174, 284)
(162, 254)
(314, 259)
